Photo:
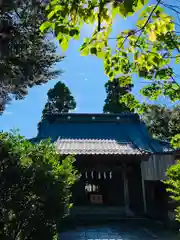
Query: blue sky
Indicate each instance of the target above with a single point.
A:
(83, 75)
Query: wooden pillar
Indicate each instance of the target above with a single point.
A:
(143, 190)
(126, 189)
(144, 196)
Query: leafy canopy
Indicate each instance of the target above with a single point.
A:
(35, 188)
(26, 56)
(60, 100)
(114, 94)
(163, 122)
(148, 50)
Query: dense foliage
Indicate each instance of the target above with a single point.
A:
(26, 56)
(173, 182)
(35, 188)
(60, 100)
(163, 122)
(114, 93)
(148, 50)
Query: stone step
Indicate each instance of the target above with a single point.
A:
(106, 213)
(98, 209)
(96, 219)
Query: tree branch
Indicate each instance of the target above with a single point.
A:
(172, 7)
(99, 15)
(150, 15)
(141, 29)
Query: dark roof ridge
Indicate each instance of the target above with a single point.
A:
(98, 114)
(93, 117)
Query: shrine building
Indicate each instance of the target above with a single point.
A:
(121, 165)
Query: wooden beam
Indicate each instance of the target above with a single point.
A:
(126, 189)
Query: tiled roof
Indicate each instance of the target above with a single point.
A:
(96, 146)
(100, 134)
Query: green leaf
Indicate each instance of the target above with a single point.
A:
(107, 69)
(141, 22)
(152, 36)
(175, 141)
(45, 26)
(124, 54)
(139, 5)
(93, 50)
(143, 2)
(100, 54)
(161, 74)
(51, 14)
(172, 91)
(152, 91)
(111, 75)
(123, 10)
(64, 44)
(54, 2)
(115, 11)
(60, 29)
(70, 205)
(125, 81)
(130, 101)
(120, 42)
(77, 37)
(84, 51)
(175, 86)
(136, 55)
(57, 8)
(73, 32)
(59, 37)
(177, 60)
(117, 69)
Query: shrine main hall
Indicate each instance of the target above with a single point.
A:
(121, 164)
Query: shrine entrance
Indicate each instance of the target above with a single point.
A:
(101, 188)
(108, 182)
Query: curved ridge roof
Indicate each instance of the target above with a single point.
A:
(100, 134)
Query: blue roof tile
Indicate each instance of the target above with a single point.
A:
(115, 132)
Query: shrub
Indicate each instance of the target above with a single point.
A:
(35, 188)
